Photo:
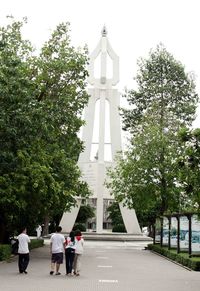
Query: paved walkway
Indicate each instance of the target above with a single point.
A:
(105, 266)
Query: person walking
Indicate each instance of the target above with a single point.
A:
(79, 241)
(69, 252)
(39, 231)
(57, 245)
(23, 251)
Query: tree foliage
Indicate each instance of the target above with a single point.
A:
(115, 214)
(146, 177)
(41, 99)
(161, 82)
(189, 166)
(85, 212)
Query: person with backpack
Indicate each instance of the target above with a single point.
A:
(79, 241)
(69, 252)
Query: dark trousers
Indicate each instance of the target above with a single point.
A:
(23, 261)
(69, 259)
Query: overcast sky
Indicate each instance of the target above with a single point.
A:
(134, 27)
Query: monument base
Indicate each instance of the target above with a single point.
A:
(115, 236)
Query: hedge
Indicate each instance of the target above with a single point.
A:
(119, 228)
(36, 243)
(181, 258)
(6, 250)
(79, 226)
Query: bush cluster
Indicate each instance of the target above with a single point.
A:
(181, 258)
(5, 252)
(79, 226)
(119, 228)
(36, 243)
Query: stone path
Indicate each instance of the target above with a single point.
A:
(105, 266)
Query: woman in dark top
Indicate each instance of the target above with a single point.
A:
(69, 252)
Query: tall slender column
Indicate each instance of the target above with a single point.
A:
(102, 126)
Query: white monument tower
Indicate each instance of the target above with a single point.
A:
(101, 135)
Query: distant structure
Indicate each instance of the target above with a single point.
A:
(101, 136)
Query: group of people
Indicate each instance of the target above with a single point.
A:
(72, 247)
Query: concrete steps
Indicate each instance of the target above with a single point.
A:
(115, 237)
(109, 236)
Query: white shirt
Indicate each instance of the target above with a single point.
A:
(57, 240)
(23, 243)
(39, 230)
(79, 246)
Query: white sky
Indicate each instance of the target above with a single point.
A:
(134, 27)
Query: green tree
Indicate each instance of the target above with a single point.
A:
(146, 177)
(189, 166)
(85, 212)
(136, 179)
(161, 82)
(41, 99)
(115, 214)
(116, 217)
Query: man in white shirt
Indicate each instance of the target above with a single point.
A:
(57, 246)
(23, 251)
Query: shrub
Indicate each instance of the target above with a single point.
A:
(85, 212)
(79, 226)
(36, 243)
(5, 252)
(119, 228)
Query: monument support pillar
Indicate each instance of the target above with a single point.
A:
(99, 217)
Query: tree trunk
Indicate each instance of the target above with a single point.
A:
(45, 230)
(150, 230)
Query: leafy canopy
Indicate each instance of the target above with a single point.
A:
(161, 82)
(146, 177)
(41, 98)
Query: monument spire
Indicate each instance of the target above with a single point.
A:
(104, 31)
(104, 50)
(104, 105)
